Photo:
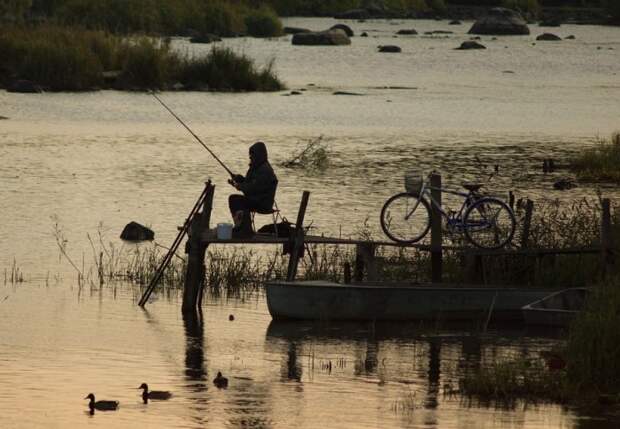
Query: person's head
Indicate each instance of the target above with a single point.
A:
(258, 153)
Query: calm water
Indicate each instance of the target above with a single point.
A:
(107, 158)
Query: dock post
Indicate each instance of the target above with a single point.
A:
(196, 249)
(606, 237)
(436, 230)
(365, 258)
(297, 238)
(527, 223)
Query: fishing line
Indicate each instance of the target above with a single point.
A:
(193, 134)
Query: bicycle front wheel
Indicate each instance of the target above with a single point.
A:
(406, 218)
(489, 224)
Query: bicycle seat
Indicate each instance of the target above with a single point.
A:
(472, 187)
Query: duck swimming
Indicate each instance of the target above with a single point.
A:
(101, 405)
(220, 381)
(153, 394)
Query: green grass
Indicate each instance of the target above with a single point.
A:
(73, 59)
(593, 349)
(601, 163)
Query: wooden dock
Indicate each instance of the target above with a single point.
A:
(201, 236)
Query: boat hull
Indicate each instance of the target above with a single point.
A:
(320, 300)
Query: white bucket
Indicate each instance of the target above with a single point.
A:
(224, 231)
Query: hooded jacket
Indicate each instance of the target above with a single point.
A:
(260, 182)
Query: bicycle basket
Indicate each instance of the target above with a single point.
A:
(413, 182)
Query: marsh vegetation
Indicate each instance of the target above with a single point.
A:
(72, 59)
(600, 163)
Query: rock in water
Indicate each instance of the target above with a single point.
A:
(500, 21)
(330, 37)
(344, 28)
(133, 231)
(564, 184)
(549, 36)
(24, 86)
(470, 44)
(389, 48)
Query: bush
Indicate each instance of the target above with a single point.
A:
(601, 163)
(147, 64)
(222, 19)
(62, 59)
(223, 69)
(263, 23)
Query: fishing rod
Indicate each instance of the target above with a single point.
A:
(232, 175)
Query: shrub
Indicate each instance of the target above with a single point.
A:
(222, 18)
(223, 69)
(263, 22)
(147, 64)
(601, 162)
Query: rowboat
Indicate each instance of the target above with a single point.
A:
(325, 300)
(557, 309)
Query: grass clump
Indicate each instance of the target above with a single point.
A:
(263, 22)
(593, 351)
(72, 59)
(223, 69)
(520, 379)
(601, 163)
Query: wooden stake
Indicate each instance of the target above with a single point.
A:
(297, 238)
(527, 222)
(436, 231)
(195, 272)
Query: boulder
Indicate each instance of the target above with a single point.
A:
(3, 118)
(406, 32)
(454, 22)
(571, 37)
(364, 34)
(346, 93)
(389, 48)
(205, 38)
(470, 44)
(500, 21)
(438, 32)
(564, 184)
(295, 30)
(329, 38)
(549, 37)
(344, 28)
(133, 231)
(24, 86)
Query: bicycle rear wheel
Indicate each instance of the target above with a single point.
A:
(489, 224)
(406, 218)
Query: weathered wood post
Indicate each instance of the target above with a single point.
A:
(436, 230)
(365, 258)
(196, 249)
(527, 223)
(607, 259)
(297, 239)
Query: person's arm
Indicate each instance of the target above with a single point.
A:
(258, 183)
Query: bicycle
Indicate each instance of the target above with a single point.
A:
(487, 222)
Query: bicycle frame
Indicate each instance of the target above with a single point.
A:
(426, 191)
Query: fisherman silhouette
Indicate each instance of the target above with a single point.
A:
(259, 190)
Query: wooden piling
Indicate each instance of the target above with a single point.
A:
(527, 223)
(436, 230)
(607, 256)
(365, 254)
(297, 239)
(196, 249)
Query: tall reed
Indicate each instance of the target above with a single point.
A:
(600, 163)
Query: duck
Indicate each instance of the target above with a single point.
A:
(101, 405)
(159, 395)
(220, 381)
